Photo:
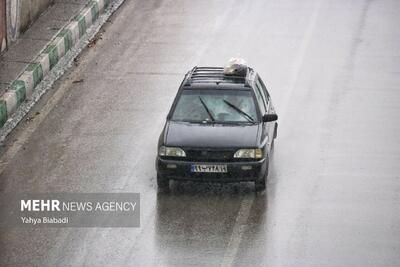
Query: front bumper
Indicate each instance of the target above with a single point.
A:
(237, 171)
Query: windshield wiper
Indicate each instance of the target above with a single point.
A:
(206, 108)
(241, 112)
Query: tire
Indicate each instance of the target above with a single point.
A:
(162, 183)
(261, 184)
(276, 130)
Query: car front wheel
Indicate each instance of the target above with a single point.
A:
(162, 182)
(262, 183)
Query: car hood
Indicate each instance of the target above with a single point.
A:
(183, 134)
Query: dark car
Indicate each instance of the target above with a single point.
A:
(220, 128)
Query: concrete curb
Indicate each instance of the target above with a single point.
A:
(23, 87)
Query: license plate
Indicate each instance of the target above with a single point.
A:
(209, 168)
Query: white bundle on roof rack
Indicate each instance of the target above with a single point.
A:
(236, 66)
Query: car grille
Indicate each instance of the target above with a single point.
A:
(209, 155)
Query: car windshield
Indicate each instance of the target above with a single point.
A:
(220, 106)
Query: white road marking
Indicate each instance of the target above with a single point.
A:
(298, 62)
(244, 211)
(218, 25)
(238, 229)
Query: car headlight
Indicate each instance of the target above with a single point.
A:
(249, 153)
(171, 151)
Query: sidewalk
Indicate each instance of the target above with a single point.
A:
(41, 47)
(14, 61)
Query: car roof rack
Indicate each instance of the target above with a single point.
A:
(215, 75)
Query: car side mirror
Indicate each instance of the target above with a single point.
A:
(269, 117)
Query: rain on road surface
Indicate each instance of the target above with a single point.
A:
(333, 192)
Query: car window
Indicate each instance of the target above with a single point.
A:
(260, 99)
(228, 106)
(264, 91)
(260, 81)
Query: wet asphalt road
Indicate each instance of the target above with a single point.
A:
(333, 193)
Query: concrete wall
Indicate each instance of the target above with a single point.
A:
(19, 14)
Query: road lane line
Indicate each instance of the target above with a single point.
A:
(237, 232)
(218, 25)
(245, 207)
(298, 62)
